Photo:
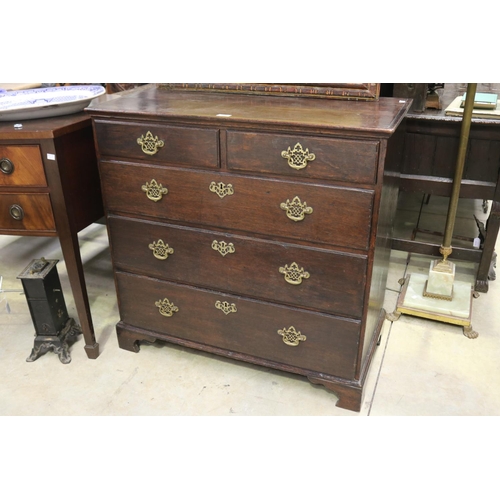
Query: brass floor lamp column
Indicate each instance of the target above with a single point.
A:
(438, 296)
(446, 249)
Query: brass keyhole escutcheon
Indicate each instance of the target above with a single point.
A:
(295, 209)
(166, 307)
(150, 144)
(221, 189)
(223, 248)
(294, 274)
(154, 191)
(291, 336)
(160, 249)
(297, 157)
(226, 307)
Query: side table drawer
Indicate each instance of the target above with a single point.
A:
(28, 212)
(302, 156)
(327, 344)
(184, 146)
(309, 278)
(21, 166)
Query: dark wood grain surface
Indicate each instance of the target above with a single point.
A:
(365, 118)
(330, 347)
(335, 282)
(340, 216)
(43, 128)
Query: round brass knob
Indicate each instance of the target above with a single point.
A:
(16, 212)
(6, 166)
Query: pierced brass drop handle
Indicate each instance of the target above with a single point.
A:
(154, 191)
(297, 157)
(166, 307)
(295, 209)
(160, 249)
(294, 274)
(150, 144)
(291, 336)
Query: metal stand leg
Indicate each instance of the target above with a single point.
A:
(59, 344)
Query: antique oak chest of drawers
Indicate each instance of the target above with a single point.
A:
(253, 227)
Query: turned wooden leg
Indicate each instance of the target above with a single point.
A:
(349, 397)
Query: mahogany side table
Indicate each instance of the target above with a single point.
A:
(49, 186)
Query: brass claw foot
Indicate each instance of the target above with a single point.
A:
(470, 333)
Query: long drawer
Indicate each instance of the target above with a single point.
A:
(26, 212)
(189, 146)
(306, 212)
(302, 339)
(303, 156)
(328, 281)
(21, 166)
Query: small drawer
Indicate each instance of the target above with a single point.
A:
(303, 156)
(30, 212)
(21, 166)
(184, 146)
(307, 340)
(332, 282)
(306, 212)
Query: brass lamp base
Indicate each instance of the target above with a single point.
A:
(457, 311)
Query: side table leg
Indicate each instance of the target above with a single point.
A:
(70, 159)
(71, 252)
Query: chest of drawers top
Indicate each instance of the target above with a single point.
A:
(331, 116)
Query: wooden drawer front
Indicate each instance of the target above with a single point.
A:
(339, 216)
(330, 346)
(21, 166)
(34, 210)
(336, 159)
(245, 266)
(184, 146)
